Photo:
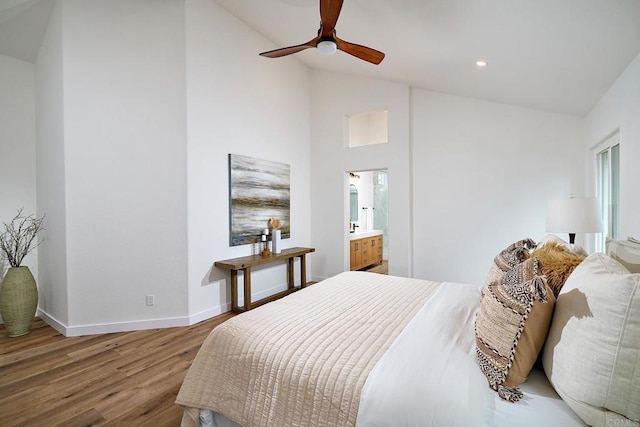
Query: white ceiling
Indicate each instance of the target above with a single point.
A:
(554, 55)
(22, 26)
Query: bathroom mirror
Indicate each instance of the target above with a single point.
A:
(353, 202)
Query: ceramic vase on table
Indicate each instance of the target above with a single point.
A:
(18, 301)
(276, 242)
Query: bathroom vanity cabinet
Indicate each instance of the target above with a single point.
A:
(366, 251)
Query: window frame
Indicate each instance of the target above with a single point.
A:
(607, 159)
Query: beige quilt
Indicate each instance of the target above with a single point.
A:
(302, 360)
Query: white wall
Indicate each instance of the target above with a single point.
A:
(478, 178)
(50, 155)
(17, 145)
(17, 139)
(333, 97)
(124, 160)
(240, 103)
(483, 173)
(130, 95)
(619, 110)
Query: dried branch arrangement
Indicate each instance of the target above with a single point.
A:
(20, 238)
(275, 223)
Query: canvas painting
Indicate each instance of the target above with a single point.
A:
(258, 190)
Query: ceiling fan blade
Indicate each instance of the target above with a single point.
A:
(363, 52)
(277, 53)
(329, 12)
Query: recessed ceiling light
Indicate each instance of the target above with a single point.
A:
(481, 63)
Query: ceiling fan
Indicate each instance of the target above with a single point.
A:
(326, 40)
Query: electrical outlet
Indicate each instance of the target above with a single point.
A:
(151, 300)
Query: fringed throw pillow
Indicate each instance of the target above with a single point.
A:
(508, 258)
(511, 327)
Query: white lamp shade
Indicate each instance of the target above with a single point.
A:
(575, 215)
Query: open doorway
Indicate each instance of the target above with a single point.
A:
(368, 221)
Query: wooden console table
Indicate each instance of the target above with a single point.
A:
(245, 263)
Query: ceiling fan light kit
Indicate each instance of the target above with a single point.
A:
(326, 42)
(327, 47)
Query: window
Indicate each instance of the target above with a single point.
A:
(608, 176)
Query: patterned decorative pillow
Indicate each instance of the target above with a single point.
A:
(556, 263)
(511, 327)
(508, 258)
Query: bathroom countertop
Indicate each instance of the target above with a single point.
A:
(363, 234)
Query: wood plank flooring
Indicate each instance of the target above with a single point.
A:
(120, 379)
(382, 268)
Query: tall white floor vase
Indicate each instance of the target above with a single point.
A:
(276, 243)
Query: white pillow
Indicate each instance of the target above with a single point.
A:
(626, 252)
(592, 352)
(573, 248)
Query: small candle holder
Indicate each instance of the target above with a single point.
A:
(265, 243)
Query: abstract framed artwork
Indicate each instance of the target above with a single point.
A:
(258, 191)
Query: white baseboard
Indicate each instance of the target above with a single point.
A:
(52, 321)
(107, 328)
(137, 325)
(317, 278)
(208, 314)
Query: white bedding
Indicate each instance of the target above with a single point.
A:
(429, 376)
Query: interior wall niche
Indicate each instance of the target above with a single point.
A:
(367, 128)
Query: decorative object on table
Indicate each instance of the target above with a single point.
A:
(258, 190)
(265, 243)
(276, 235)
(18, 292)
(574, 215)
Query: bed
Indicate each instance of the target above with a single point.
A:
(363, 349)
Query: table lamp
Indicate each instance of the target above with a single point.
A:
(574, 215)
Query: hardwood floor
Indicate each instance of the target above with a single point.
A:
(120, 379)
(382, 268)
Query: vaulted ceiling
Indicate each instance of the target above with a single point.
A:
(554, 55)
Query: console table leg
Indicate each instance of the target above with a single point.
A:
(290, 274)
(247, 288)
(234, 290)
(303, 271)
